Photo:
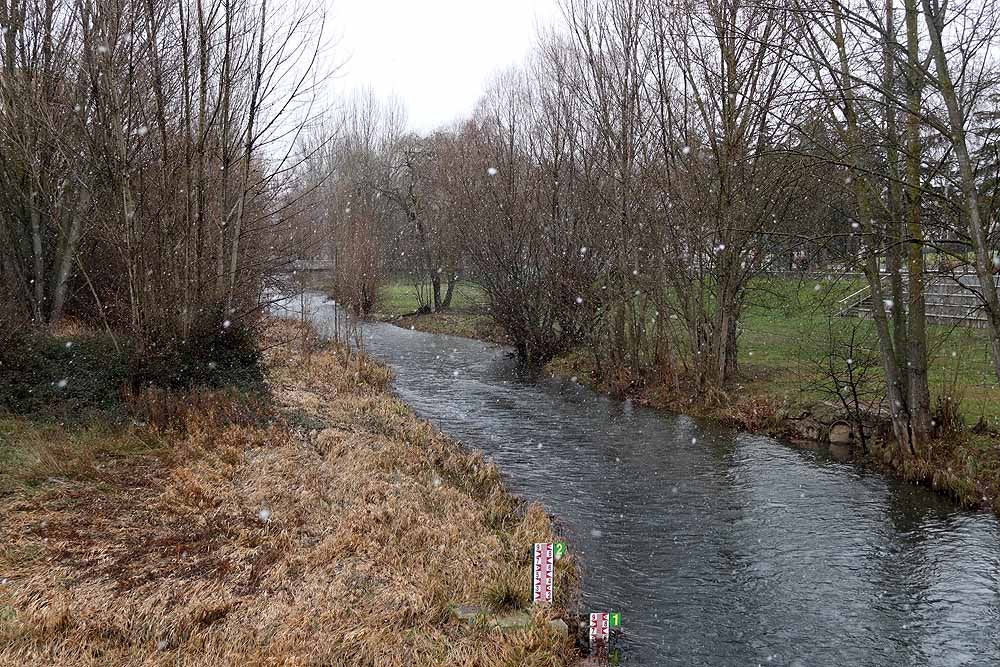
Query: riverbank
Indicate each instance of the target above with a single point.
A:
(777, 397)
(467, 317)
(321, 522)
(964, 465)
(467, 324)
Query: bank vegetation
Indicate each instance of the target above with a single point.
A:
(319, 522)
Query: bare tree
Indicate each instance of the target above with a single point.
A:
(974, 29)
(146, 156)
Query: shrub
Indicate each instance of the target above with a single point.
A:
(214, 356)
(74, 375)
(39, 373)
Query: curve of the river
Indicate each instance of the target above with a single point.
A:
(718, 547)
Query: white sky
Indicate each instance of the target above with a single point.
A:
(436, 55)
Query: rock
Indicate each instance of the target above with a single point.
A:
(519, 619)
(560, 627)
(468, 612)
(841, 433)
(805, 427)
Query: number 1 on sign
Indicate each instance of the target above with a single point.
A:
(601, 624)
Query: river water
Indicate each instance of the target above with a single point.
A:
(718, 547)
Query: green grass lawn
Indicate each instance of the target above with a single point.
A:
(786, 330)
(468, 316)
(400, 297)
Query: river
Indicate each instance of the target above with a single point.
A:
(718, 547)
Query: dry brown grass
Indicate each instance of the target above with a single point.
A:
(377, 526)
(35, 454)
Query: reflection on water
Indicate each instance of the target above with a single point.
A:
(720, 548)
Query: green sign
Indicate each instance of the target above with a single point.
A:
(559, 549)
(614, 620)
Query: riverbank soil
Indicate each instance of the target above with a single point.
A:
(318, 523)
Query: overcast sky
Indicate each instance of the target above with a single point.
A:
(436, 55)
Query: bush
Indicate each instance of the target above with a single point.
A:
(39, 373)
(214, 356)
(73, 375)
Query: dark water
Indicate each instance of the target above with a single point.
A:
(718, 547)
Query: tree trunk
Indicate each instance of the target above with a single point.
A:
(247, 157)
(436, 288)
(446, 303)
(68, 254)
(977, 231)
(724, 341)
(920, 400)
(203, 48)
(37, 250)
(896, 390)
(895, 225)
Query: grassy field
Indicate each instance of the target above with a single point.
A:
(786, 331)
(468, 316)
(400, 297)
(323, 525)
